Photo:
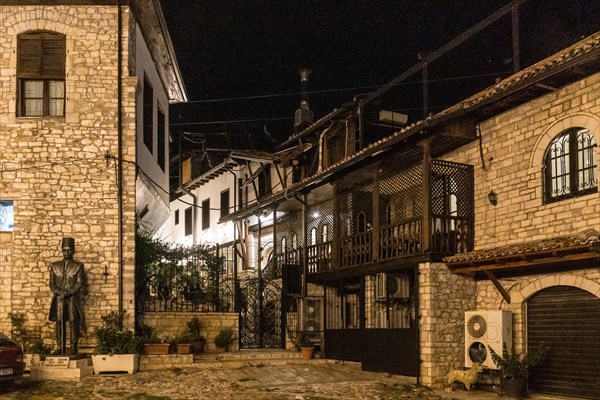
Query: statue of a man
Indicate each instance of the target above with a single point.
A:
(66, 281)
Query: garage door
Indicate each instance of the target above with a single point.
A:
(567, 321)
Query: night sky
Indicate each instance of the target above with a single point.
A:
(240, 58)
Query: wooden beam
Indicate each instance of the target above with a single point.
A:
(498, 286)
(591, 255)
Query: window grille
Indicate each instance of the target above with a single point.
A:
(569, 165)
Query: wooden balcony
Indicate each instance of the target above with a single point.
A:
(450, 235)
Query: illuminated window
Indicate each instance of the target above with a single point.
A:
(569, 165)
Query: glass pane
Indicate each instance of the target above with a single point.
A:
(57, 89)
(34, 89)
(34, 108)
(56, 107)
(7, 215)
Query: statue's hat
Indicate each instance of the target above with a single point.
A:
(68, 243)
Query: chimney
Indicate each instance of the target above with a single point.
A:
(304, 115)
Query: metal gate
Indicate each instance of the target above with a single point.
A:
(260, 314)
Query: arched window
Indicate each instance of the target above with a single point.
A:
(294, 241)
(313, 236)
(283, 244)
(569, 165)
(324, 233)
(41, 59)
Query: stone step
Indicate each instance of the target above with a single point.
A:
(230, 359)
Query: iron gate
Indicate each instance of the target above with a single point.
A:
(260, 314)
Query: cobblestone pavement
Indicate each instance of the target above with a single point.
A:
(297, 382)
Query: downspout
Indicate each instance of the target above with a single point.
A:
(120, 150)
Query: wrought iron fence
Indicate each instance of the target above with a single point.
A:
(192, 282)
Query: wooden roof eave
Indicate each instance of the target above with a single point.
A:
(517, 262)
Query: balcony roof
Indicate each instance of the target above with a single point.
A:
(556, 251)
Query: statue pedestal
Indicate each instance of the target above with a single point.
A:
(62, 369)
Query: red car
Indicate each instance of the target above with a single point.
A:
(11, 359)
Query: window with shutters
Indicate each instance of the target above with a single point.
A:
(41, 74)
(161, 142)
(148, 115)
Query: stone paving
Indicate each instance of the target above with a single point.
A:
(299, 382)
(311, 381)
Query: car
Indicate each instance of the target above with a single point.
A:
(11, 359)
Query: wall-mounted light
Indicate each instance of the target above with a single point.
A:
(493, 197)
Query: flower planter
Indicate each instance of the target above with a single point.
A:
(183, 348)
(115, 363)
(307, 352)
(197, 347)
(514, 388)
(156, 348)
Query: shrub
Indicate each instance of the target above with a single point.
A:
(224, 338)
(113, 338)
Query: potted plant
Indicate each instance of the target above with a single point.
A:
(183, 341)
(117, 348)
(515, 369)
(224, 338)
(304, 345)
(154, 344)
(197, 340)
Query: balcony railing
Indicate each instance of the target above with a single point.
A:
(449, 235)
(400, 239)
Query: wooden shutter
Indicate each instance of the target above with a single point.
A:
(41, 55)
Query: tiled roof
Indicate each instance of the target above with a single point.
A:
(553, 62)
(584, 239)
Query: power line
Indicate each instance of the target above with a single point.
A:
(346, 89)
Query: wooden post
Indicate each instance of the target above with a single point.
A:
(426, 223)
(375, 216)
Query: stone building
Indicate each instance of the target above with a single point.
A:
(84, 110)
(474, 227)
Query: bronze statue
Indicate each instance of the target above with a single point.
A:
(66, 281)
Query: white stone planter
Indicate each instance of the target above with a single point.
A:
(31, 360)
(115, 363)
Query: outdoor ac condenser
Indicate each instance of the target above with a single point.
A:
(485, 329)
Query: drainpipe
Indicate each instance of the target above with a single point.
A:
(120, 149)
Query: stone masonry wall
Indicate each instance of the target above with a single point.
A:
(513, 146)
(56, 172)
(443, 299)
(174, 323)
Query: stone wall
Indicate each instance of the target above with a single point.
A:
(443, 299)
(173, 323)
(514, 144)
(56, 170)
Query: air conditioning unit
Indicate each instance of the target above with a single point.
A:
(392, 286)
(485, 329)
(312, 312)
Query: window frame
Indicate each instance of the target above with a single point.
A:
(41, 57)
(148, 115)
(225, 201)
(161, 128)
(189, 221)
(573, 161)
(206, 214)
